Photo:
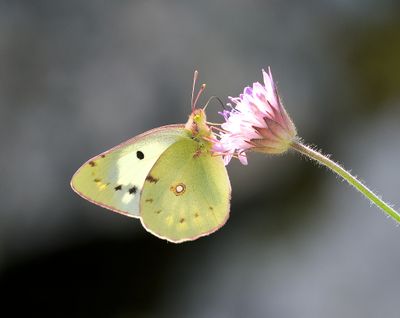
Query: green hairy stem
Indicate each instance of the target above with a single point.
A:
(323, 160)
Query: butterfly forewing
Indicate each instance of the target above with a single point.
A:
(115, 178)
(186, 194)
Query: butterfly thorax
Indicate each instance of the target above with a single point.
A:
(199, 130)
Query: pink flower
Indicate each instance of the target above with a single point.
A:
(257, 122)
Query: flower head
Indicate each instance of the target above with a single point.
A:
(256, 122)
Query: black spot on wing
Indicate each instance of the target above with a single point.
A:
(118, 187)
(92, 163)
(97, 180)
(139, 155)
(133, 190)
(103, 156)
(151, 179)
(149, 200)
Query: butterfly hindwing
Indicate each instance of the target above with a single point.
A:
(186, 193)
(115, 178)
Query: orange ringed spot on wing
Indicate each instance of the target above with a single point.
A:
(178, 189)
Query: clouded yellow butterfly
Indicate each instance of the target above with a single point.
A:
(167, 177)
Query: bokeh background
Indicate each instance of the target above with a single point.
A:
(78, 77)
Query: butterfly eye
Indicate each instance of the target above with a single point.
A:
(139, 155)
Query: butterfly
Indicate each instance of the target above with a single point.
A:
(167, 177)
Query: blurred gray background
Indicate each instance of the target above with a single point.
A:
(78, 77)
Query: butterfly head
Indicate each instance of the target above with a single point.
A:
(197, 124)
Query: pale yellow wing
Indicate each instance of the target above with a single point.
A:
(115, 178)
(186, 194)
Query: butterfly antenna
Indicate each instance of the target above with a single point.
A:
(195, 75)
(201, 90)
(211, 98)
